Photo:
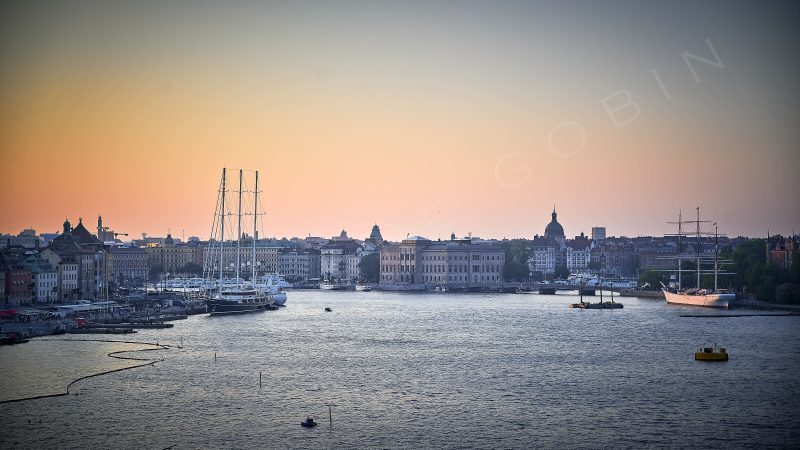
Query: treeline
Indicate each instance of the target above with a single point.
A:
(756, 277)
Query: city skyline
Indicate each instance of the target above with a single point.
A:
(423, 118)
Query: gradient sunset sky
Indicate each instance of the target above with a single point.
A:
(424, 117)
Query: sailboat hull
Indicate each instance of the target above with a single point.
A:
(710, 300)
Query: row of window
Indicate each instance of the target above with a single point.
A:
(460, 278)
(461, 268)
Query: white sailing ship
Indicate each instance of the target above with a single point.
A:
(712, 298)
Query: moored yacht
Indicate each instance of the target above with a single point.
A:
(230, 293)
(239, 299)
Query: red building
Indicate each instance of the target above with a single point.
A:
(19, 286)
(782, 252)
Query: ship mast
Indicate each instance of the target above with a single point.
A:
(255, 233)
(680, 232)
(698, 248)
(239, 232)
(222, 232)
(716, 253)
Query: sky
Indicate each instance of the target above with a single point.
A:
(424, 117)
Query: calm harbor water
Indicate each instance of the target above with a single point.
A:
(435, 371)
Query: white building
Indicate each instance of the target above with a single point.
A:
(335, 261)
(45, 279)
(545, 256)
(458, 263)
(578, 254)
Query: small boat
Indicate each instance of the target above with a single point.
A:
(328, 309)
(711, 354)
(308, 423)
(363, 287)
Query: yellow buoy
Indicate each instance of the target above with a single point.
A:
(711, 354)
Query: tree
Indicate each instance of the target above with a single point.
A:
(155, 271)
(516, 264)
(561, 273)
(593, 265)
(653, 278)
(370, 268)
(753, 275)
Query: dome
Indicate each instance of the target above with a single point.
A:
(376, 233)
(67, 226)
(554, 229)
(169, 240)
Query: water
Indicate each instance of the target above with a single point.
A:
(438, 371)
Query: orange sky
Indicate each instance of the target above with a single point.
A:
(421, 124)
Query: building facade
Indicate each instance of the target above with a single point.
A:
(45, 279)
(298, 264)
(598, 234)
(173, 257)
(335, 258)
(545, 256)
(453, 264)
(266, 258)
(89, 254)
(578, 254)
(129, 265)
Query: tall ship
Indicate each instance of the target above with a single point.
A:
(698, 296)
(227, 264)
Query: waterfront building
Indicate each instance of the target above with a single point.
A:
(298, 264)
(19, 286)
(578, 254)
(353, 265)
(129, 264)
(17, 278)
(173, 256)
(390, 264)
(616, 257)
(45, 279)
(266, 257)
(545, 256)
(334, 257)
(79, 245)
(458, 263)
